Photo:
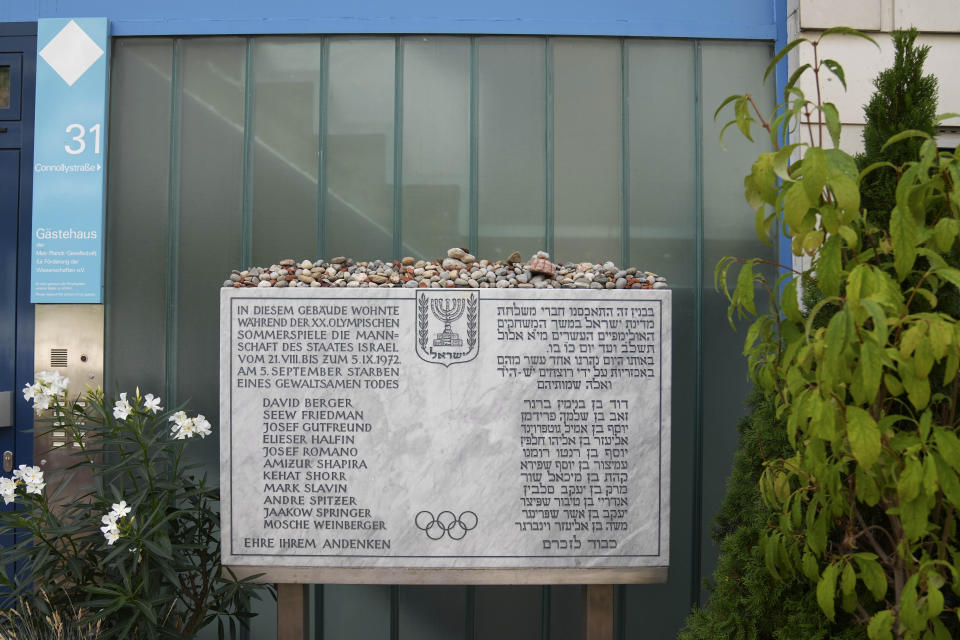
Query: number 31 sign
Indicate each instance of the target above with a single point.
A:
(69, 160)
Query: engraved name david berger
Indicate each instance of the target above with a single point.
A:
(448, 326)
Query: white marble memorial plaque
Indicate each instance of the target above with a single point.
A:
(392, 430)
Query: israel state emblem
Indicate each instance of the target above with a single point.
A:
(448, 326)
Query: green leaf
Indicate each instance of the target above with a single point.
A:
(913, 515)
(744, 290)
(923, 358)
(725, 102)
(944, 233)
(829, 267)
(873, 167)
(814, 173)
(836, 70)
(948, 445)
(841, 162)
(904, 135)
(832, 117)
(741, 109)
(864, 436)
(918, 389)
(824, 420)
(866, 377)
(826, 589)
(848, 579)
(881, 626)
(950, 275)
(867, 489)
(795, 205)
(789, 302)
(847, 31)
(781, 162)
(903, 232)
(793, 79)
(770, 545)
(947, 479)
(908, 484)
(809, 566)
(873, 577)
(846, 192)
(780, 54)
(817, 533)
(934, 602)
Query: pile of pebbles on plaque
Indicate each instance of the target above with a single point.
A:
(458, 269)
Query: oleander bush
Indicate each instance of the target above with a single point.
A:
(135, 545)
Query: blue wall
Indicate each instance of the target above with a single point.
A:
(747, 19)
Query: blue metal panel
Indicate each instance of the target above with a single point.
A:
(24, 365)
(751, 19)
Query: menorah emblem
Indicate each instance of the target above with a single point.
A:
(447, 311)
(448, 326)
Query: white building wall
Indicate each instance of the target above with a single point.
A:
(938, 22)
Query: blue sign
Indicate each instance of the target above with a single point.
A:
(69, 164)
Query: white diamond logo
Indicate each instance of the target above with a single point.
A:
(71, 52)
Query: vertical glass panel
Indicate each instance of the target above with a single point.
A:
(511, 140)
(436, 137)
(137, 187)
(210, 153)
(567, 612)
(286, 99)
(728, 67)
(432, 613)
(5, 87)
(663, 224)
(587, 149)
(662, 159)
(355, 612)
(359, 148)
(508, 611)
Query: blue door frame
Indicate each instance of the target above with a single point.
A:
(18, 44)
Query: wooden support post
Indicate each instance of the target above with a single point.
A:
(293, 612)
(599, 612)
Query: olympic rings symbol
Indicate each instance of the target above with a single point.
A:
(445, 523)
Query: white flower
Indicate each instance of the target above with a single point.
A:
(122, 408)
(202, 426)
(111, 533)
(30, 391)
(112, 521)
(120, 509)
(151, 404)
(46, 388)
(8, 490)
(185, 427)
(55, 383)
(32, 477)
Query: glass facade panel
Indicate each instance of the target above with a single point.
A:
(436, 143)
(728, 67)
(316, 167)
(511, 139)
(210, 158)
(283, 144)
(587, 144)
(137, 213)
(663, 217)
(359, 148)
